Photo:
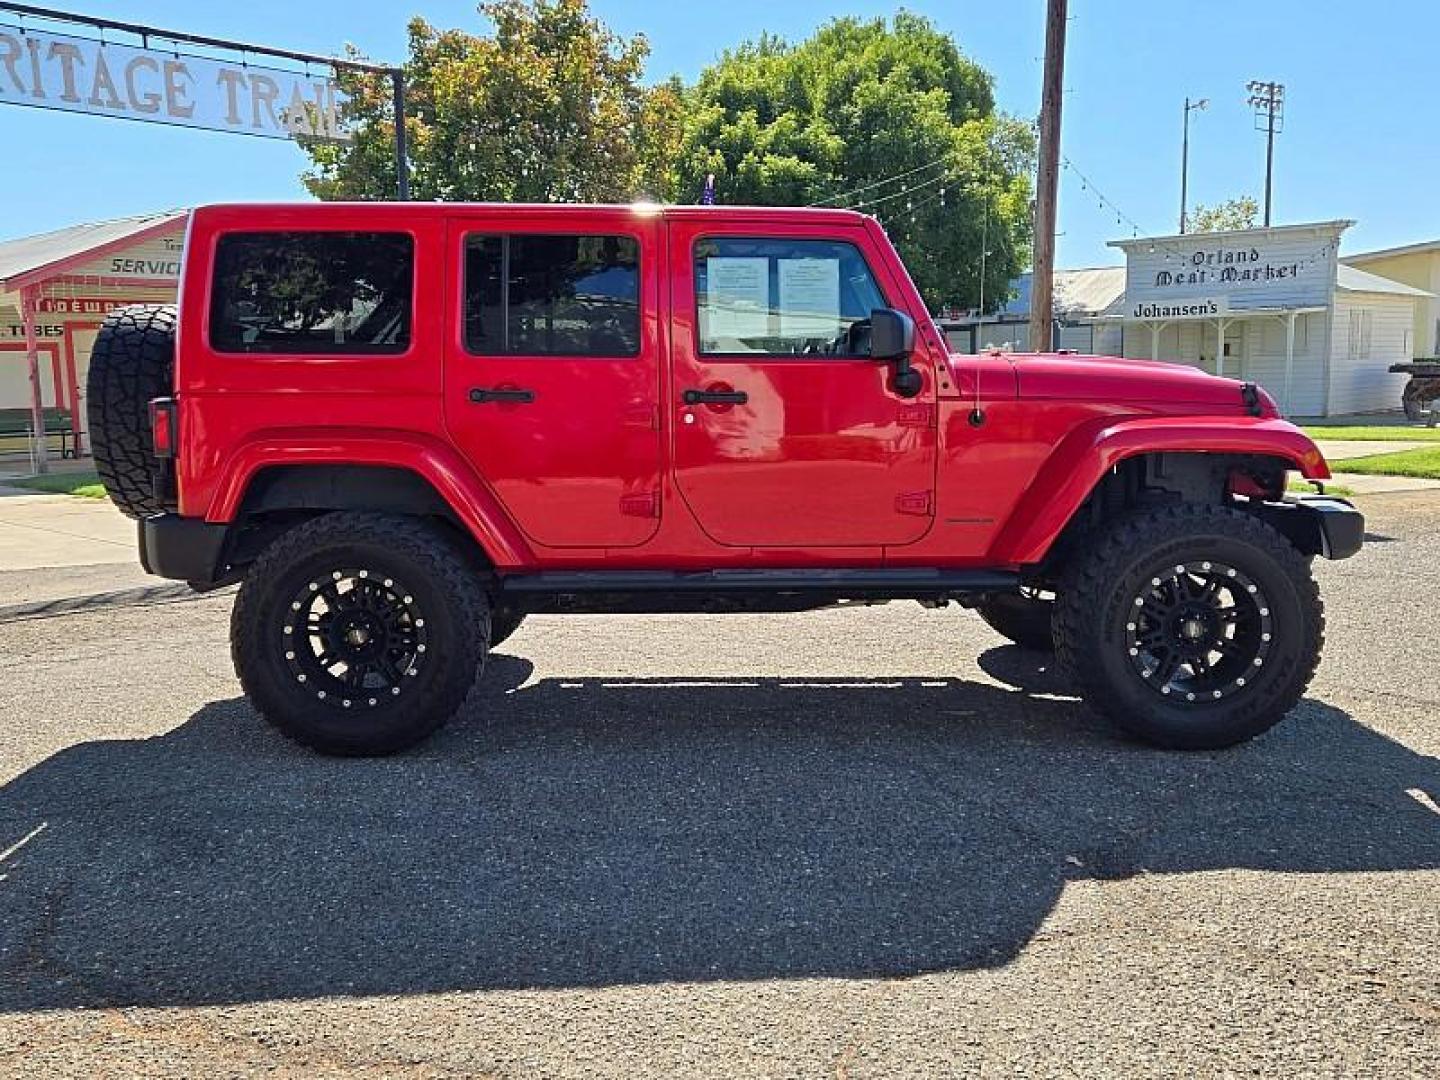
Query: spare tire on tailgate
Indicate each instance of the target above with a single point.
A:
(133, 361)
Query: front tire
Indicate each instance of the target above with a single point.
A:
(360, 634)
(1193, 627)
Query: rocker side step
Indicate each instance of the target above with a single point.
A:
(892, 584)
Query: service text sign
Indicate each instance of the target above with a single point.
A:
(74, 74)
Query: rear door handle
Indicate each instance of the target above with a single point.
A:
(480, 396)
(716, 397)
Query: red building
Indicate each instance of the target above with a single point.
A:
(55, 289)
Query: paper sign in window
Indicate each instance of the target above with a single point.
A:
(737, 300)
(809, 298)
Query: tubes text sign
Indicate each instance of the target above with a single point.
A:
(57, 71)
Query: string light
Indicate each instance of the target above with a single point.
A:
(902, 193)
(881, 183)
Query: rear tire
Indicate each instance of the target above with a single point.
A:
(504, 621)
(133, 362)
(360, 634)
(1024, 618)
(1192, 627)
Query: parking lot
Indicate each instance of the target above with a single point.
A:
(865, 843)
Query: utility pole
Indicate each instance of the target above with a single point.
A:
(1042, 279)
(1268, 101)
(1203, 103)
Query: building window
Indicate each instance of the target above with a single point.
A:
(312, 292)
(552, 295)
(1360, 327)
(780, 297)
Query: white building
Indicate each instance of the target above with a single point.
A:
(1417, 265)
(1272, 306)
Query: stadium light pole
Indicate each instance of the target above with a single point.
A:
(1268, 101)
(1202, 104)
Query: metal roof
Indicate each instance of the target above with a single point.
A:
(1352, 280)
(1422, 248)
(1095, 291)
(23, 257)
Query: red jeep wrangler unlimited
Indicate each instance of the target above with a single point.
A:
(401, 428)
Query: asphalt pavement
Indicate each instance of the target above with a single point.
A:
(866, 843)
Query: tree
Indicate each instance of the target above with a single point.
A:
(890, 118)
(550, 108)
(1232, 214)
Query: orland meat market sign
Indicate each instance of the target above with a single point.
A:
(1200, 275)
(75, 74)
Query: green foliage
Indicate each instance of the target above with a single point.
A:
(84, 484)
(842, 117)
(550, 108)
(1231, 214)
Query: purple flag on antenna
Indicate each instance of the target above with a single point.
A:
(707, 197)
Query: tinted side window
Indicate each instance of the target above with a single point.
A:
(548, 295)
(783, 297)
(312, 292)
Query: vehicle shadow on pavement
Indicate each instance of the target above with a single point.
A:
(595, 832)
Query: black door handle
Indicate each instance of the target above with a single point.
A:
(480, 395)
(716, 397)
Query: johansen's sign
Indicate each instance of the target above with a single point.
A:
(74, 74)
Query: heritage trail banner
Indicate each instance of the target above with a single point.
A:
(164, 86)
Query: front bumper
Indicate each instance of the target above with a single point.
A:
(1318, 524)
(187, 549)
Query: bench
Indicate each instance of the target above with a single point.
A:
(59, 424)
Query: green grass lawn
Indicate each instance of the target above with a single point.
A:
(84, 484)
(1304, 487)
(1399, 433)
(1423, 463)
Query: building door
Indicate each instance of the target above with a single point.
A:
(1235, 354)
(81, 343)
(552, 370)
(787, 433)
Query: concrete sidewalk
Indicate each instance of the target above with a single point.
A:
(1364, 484)
(1338, 449)
(61, 530)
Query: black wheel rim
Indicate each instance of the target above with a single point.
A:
(1198, 632)
(354, 638)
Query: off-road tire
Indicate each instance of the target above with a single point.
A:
(448, 602)
(133, 361)
(504, 621)
(1093, 613)
(1025, 620)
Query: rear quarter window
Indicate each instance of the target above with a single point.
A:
(312, 292)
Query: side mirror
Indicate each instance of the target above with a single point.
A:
(892, 339)
(892, 334)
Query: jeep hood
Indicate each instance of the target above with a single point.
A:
(1102, 378)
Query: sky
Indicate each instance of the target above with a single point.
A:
(1357, 142)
